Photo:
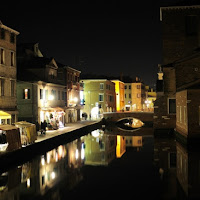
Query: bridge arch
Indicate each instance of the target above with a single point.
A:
(115, 116)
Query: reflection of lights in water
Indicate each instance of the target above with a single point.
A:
(82, 151)
(56, 158)
(53, 175)
(43, 161)
(60, 151)
(76, 155)
(95, 133)
(28, 183)
(48, 157)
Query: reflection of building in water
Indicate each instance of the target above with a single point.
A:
(9, 182)
(60, 164)
(134, 141)
(100, 148)
(165, 160)
(121, 146)
(188, 173)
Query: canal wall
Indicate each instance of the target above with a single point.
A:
(19, 156)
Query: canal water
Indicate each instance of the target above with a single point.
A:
(107, 163)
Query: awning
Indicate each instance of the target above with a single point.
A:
(4, 115)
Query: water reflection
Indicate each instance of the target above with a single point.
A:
(61, 165)
(179, 169)
(100, 148)
(130, 124)
(62, 170)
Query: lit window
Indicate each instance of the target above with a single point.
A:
(26, 94)
(2, 56)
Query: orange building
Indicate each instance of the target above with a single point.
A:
(119, 90)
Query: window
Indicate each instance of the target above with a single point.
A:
(12, 37)
(12, 58)
(138, 87)
(172, 106)
(26, 93)
(2, 82)
(101, 86)
(100, 97)
(130, 96)
(138, 95)
(125, 87)
(2, 33)
(41, 94)
(2, 56)
(129, 87)
(12, 88)
(125, 96)
(58, 95)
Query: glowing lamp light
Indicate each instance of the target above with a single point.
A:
(51, 97)
(75, 99)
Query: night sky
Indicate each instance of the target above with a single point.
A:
(114, 37)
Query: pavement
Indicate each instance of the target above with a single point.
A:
(60, 131)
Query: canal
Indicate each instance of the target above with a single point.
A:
(107, 163)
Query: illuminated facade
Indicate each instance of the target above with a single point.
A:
(41, 101)
(39, 94)
(99, 97)
(8, 71)
(119, 90)
(135, 96)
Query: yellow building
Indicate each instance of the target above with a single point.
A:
(135, 96)
(119, 90)
(99, 97)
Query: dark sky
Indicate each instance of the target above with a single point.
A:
(115, 37)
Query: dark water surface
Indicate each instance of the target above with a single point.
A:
(103, 164)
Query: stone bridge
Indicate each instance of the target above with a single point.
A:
(115, 116)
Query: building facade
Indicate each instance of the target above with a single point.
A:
(99, 96)
(74, 90)
(119, 90)
(8, 71)
(180, 42)
(38, 101)
(39, 94)
(135, 96)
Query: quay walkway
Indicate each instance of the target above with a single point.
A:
(44, 143)
(70, 127)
